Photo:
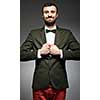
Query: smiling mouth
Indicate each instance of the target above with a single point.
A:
(50, 19)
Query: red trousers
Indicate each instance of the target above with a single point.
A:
(49, 94)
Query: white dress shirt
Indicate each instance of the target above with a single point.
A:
(50, 39)
(50, 36)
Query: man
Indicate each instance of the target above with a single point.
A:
(50, 46)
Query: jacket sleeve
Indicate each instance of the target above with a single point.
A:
(72, 52)
(28, 50)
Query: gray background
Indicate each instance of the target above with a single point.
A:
(30, 18)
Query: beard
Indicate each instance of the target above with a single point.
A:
(50, 23)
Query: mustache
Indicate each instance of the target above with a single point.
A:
(49, 17)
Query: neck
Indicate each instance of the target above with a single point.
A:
(50, 27)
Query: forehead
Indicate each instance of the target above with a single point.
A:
(49, 8)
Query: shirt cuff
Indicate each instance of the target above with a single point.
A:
(61, 53)
(38, 54)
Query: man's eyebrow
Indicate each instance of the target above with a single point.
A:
(46, 11)
(52, 10)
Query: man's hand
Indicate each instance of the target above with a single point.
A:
(45, 49)
(54, 50)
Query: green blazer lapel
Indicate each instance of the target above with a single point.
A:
(59, 37)
(42, 36)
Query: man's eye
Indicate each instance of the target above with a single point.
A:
(45, 11)
(52, 11)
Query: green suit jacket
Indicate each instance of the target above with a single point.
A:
(50, 69)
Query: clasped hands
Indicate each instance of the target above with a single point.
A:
(49, 49)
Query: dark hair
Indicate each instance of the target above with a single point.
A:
(49, 4)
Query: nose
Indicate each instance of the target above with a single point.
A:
(49, 14)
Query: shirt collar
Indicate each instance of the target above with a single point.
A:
(55, 27)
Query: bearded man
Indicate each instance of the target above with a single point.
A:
(50, 46)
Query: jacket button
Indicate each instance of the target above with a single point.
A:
(49, 56)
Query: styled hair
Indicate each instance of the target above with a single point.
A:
(49, 4)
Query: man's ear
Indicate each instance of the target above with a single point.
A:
(57, 15)
(42, 15)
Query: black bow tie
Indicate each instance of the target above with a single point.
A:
(54, 31)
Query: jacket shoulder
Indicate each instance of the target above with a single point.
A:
(64, 29)
(36, 30)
